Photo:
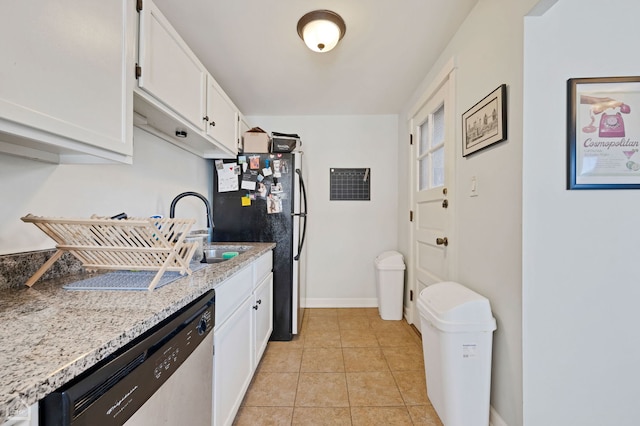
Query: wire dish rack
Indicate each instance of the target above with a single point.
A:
(142, 244)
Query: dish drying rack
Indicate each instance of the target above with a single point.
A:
(143, 244)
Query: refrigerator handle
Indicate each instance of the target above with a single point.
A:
(302, 214)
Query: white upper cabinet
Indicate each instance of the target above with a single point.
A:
(66, 79)
(222, 116)
(176, 98)
(170, 72)
(241, 128)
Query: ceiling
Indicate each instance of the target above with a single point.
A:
(251, 47)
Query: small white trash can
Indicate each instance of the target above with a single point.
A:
(457, 335)
(390, 284)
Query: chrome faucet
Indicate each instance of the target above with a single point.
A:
(172, 209)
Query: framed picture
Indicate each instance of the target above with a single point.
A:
(603, 133)
(485, 123)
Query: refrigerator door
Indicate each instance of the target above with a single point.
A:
(268, 218)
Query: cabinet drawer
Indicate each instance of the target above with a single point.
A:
(231, 293)
(262, 268)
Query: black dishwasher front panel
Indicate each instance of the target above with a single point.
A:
(115, 389)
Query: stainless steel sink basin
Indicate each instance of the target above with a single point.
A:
(217, 254)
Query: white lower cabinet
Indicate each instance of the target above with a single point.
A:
(262, 316)
(232, 363)
(28, 417)
(244, 321)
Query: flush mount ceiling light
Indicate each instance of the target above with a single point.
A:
(321, 30)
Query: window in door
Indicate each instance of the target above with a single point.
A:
(431, 151)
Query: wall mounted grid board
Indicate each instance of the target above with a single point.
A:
(350, 184)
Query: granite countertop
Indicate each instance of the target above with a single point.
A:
(50, 335)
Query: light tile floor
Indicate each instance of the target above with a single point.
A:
(346, 367)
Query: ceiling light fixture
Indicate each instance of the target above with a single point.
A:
(321, 30)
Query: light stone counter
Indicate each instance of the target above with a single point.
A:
(50, 335)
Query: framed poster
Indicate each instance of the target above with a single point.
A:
(603, 133)
(485, 123)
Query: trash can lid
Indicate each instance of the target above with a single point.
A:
(390, 260)
(451, 307)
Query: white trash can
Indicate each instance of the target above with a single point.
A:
(390, 284)
(457, 335)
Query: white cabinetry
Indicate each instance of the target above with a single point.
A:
(263, 304)
(176, 98)
(170, 72)
(222, 116)
(233, 363)
(243, 126)
(262, 316)
(242, 330)
(66, 73)
(28, 417)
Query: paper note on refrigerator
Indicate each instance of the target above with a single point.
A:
(249, 180)
(227, 177)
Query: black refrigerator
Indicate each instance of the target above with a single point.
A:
(262, 197)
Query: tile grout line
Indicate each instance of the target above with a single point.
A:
(349, 326)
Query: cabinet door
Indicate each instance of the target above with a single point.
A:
(28, 417)
(170, 71)
(66, 75)
(222, 115)
(243, 126)
(232, 363)
(263, 316)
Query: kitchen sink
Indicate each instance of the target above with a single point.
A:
(217, 254)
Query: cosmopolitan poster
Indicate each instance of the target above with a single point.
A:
(606, 136)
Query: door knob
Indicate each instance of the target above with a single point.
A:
(442, 241)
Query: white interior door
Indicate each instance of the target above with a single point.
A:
(433, 158)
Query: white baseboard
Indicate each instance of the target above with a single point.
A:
(342, 303)
(495, 419)
(405, 314)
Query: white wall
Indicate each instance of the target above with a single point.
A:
(488, 51)
(160, 172)
(344, 237)
(580, 286)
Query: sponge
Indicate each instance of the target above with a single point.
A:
(229, 254)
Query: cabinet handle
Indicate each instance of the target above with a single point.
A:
(255, 307)
(205, 118)
(213, 123)
(442, 241)
(259, 301)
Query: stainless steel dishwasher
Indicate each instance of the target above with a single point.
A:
(162, 378)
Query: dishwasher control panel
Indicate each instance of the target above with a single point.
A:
(174, 353)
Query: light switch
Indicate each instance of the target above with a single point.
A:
(473, 189)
